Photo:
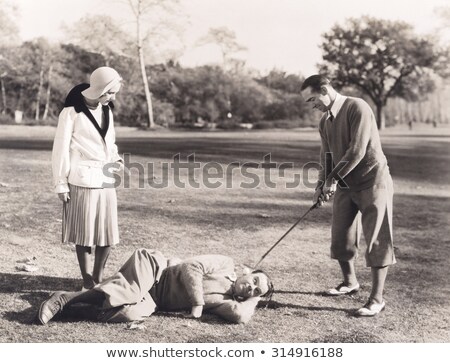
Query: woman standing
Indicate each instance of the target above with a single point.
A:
(83, 148)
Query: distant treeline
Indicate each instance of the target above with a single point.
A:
(36, 76)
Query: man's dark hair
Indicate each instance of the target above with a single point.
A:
(315, 82)
(270, 291)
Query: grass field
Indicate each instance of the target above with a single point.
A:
(235, 221)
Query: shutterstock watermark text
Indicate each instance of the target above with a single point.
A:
(188, 172)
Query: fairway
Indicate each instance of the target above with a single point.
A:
(235, 217)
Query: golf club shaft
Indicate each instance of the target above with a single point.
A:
(287, 232)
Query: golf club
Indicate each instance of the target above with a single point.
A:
(314, 206)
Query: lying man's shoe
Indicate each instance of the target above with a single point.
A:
(371, 308)
(49, 308)
(342, 289)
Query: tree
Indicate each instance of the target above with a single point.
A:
(201, 92)
(138, 11)
(443, 35)
(8, 29)
(213, 95)
(142, 11)
(226, 40)
(40, 56)
(8, 37)
(380, 58)
(49, 92)
(41, 74)
(29, 63)
(56, 60)
(443, 13)
(279, 80)
(288, 103)
(149, 38)
(100, 34)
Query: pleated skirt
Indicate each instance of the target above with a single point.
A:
(90, 217)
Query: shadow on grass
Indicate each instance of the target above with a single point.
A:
(225, 149)
(24, 144)
(205, 318)
(32, 289)
(274, 305)
(299, 292)
(237, 214)
(27, 316)
(354, 336)
(417, 136)
(16, 283)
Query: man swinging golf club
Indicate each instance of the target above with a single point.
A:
(355, 169)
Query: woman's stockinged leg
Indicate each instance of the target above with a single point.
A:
(84, 261)
(101, 256)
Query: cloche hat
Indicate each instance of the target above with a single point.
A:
(101, 80)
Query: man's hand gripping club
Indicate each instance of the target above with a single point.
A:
(324, 193)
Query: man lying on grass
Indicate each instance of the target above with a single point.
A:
(148, 282)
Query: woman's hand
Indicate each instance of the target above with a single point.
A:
(118, 166)
(64, 196)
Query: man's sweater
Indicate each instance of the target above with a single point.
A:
(357, 159)
(205, 280)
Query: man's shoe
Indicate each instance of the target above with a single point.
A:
(342, 289)
(49, 308)
(371, 308)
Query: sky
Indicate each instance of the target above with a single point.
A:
(282, 34)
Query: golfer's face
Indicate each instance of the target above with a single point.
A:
(251, 285)
(317, 99)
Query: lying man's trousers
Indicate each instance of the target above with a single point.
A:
(127, 296)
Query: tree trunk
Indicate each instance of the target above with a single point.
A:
(381, 120)
(420, 111)
(148, 97)
(439, 106)
(3, 96)
(38, 97)
(20, 100)
(47, 101)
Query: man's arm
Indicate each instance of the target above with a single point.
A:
(192, 272)
(61, 151)
(326, 160)
(192, 278)
(326, 165)
(196, 312)
(236, 311)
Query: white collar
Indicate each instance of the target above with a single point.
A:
(337, 105)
